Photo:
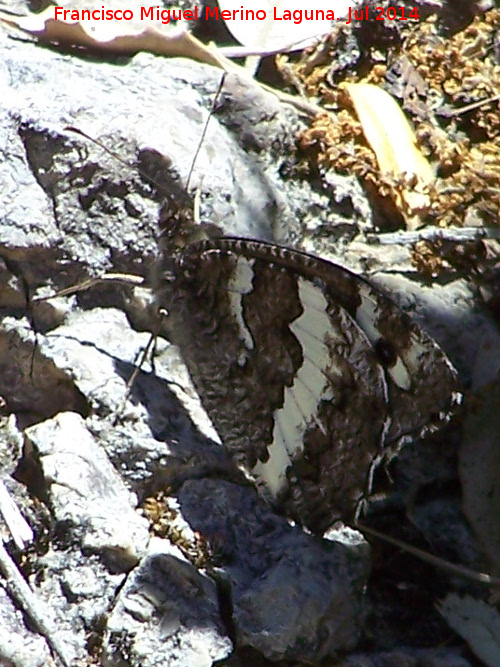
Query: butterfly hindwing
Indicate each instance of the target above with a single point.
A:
(302, 367)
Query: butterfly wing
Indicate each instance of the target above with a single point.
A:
(301, 365)
(422, 383)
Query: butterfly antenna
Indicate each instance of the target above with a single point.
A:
(76, 130)
(138, 364)
(205, 128)
(196, 215)
(90, 283)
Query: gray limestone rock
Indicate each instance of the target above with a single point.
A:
(166, 614)
(19, 646)
(293, 596)
(70, 211)
(86, 491)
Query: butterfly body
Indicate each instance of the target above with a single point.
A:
(308, 372)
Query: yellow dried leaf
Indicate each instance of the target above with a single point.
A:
(393, 141)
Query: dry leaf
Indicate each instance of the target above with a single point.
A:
(115, 37)
(275, 33)
(477, 622)
(393, 141)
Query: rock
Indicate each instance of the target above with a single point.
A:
(76, 201)
(167, 613)
(77, 591)
(70, 211)
(479, 455)
(408, 658)
(86, 492)
(19, 646)
(294, 597)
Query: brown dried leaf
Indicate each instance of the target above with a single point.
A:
(393, 141)
(111, 36)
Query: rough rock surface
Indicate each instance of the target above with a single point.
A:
(86, 491)
(70, 211)
(277, 573)
(19, 646)
(167, 613)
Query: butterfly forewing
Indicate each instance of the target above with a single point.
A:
(422, 383)
(306, 370)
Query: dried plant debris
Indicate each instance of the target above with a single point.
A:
(166, 521)
(448, 87)
(440, 256)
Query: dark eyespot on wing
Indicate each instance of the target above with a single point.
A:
(421, 380)
(305, 369)
(385, 352)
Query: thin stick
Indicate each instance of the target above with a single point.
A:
(470, 107)
(124, 278)
(204, 131)
(19, 589)
(16, 523)
(455, 234)
(436, 561)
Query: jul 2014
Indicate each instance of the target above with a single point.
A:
(296, 15)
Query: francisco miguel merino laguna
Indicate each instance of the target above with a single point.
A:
(167, 15)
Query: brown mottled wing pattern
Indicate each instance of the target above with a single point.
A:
(307, 371)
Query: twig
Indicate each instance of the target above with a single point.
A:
(441, 563)
(246, 51)
(455, 234)
(304, 105)
(469, 107)
(125, 278)
(16, 523)
(31, 605)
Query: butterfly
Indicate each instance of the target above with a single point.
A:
(310, 374)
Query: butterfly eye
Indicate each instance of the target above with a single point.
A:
(386, 352)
